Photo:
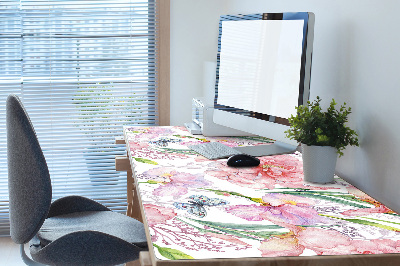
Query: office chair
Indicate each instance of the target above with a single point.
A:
(70, 231)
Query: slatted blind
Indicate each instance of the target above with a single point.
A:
(83, 69)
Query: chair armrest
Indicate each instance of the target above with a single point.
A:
(72, 204)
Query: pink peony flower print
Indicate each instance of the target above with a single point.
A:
(160, 130)
(280, 246)
(276, 199)
(325, 241)
(200, 159)
(376, 246)
(170, 190)
(339, 244)
(154, 132)
(253, 177)
(158, 214)
(283, 170)
(288, 211)
(137, 145)
(147, 133)
(284, 215)
(175, 183)
(248, 212)
(292, 214)
(160, 174)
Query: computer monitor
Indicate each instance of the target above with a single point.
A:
(263, 73)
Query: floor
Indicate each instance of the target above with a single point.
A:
(9, 253)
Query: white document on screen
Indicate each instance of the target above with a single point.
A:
(260, 63)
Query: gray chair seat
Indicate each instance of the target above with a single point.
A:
(72, 230)
(107, 222)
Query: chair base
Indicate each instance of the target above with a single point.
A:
(26, 259)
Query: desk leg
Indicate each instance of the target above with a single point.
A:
(134, 212)
(133, 263)
(133, 209)
(144, 260)
(129, 193)
(132, 197)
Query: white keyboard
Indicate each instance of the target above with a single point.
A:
(214, 150)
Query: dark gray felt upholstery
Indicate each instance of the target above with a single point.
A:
(72, 204)
(70, 231)
(28, 176)
(86, 248)
(128, 229)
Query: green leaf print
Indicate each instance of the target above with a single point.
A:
(182, 151)
(220, 230)
(223, 192)
(350, 201)
(239, 226)
(379, 220)
(364, 222)
(142, 160)
(243, 230)
(173, 254)
(255, 138)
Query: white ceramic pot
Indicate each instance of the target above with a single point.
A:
(319, 163)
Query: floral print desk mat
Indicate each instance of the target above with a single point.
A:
(199, 209)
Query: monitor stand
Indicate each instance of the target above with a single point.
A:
(267, 149)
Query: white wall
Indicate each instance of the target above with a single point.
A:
(356, 60)
(194, 41)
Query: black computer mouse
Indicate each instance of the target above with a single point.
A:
(240, 160)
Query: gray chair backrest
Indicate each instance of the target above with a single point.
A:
(29, 183)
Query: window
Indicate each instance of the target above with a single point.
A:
(83, 69)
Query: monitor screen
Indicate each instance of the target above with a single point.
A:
(263, 71)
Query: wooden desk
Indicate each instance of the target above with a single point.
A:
(201, 212)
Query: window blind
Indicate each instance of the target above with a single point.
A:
(83, 69)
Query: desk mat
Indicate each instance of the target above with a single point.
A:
(200, 209)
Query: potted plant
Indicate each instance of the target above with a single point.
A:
(323, 135)
(98, 105)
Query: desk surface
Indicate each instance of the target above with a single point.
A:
(196, 208)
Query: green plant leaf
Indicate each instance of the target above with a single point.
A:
(312, 126)
(142, 160)
(173, 254)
